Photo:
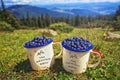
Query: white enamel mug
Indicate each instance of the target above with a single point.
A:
(77, 62)
(42, 57)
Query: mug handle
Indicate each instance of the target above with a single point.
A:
(97, 63)
(59, 55)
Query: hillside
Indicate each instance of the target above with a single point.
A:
(22, 10)
(81, 12)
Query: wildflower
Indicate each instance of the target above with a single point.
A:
(4, 49)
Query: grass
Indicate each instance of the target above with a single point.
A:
(14, 63)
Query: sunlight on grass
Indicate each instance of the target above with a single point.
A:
(14, 63)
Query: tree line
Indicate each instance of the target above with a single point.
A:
(43, 21)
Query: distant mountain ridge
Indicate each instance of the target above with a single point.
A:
(82, 9)
(22, 10)
(102, 8)
(81, 5)
(81, 12)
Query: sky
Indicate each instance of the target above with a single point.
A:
(7, 2)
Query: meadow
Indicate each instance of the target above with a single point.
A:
(14, 63)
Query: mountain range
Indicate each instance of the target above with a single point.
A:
(57, 10)
(23, 10)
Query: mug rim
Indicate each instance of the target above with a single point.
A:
(84, 50)
(51, 40)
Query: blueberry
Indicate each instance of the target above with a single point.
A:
(49, 40)
(77, 43)
(36, 38)
(74, 48)
(38, 41)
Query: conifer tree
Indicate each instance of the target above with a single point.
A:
(77, 20)
(118, 12)
(47, 20)
(117, 18)
(6, 16)
(28, 19)
(40, 22)
(2, 5)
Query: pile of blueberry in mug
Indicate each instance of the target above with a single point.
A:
(77, 44)
(37, 42)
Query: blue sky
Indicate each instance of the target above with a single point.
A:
(53, 1)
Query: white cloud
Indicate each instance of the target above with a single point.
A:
(103, 0)
(68, 1)
(22, 1)
(57, 1)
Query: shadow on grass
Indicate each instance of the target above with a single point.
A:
(23, 66)
(57, 67)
